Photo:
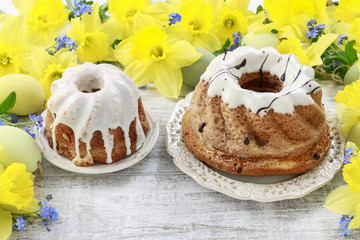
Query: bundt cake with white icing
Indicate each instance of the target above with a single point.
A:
(95, 114)
(257, 113)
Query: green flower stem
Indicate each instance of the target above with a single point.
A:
(341, 56)
(5, 120)
(22, 214)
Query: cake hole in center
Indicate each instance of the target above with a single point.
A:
(261, 83)
(90, 86)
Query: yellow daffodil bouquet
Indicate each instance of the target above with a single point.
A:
(169, 43)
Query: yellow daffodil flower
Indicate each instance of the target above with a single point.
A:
(290, 17)
(307, 54)
(135, 15)
(16, 195)
(93, 37)
(346, 199)
(348, 108)
(348, 10)
(150, 56)
(44, 19)
(48, 68)
(231, 20)
(198, 21)
(14, 48)
(355, 31)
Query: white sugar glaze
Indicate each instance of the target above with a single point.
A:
(115, 104)
(225, 70)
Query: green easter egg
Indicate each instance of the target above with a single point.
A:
(18, 146)
(260, 40)
(352, 74)
(191, 74)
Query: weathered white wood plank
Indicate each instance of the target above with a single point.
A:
(155, 200)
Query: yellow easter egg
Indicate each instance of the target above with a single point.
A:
(354, 134)
(352, 74)
(18, 146)
(30, 94)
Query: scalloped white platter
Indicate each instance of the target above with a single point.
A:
(52, 156)
(261, 189)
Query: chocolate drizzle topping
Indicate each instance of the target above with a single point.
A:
(263, 108)
(225, 53)
(297, 75)
(309, 93)
(241, 64)
(282, 78)
(262, 65)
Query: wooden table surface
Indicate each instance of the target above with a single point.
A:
(155, 200)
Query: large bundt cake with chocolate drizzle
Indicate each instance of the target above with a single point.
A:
(95, 114)
(257, 113)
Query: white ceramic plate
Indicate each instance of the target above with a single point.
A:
(262, 189)
(125, 162)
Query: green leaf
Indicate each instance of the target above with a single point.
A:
(71, 15)
(69, 5)
(223, 48)
(274, 31)
(1, 11)
(8, 103)
(102, 12)
(350, 52)
(259, 9)
(266, 21)
(115, 43)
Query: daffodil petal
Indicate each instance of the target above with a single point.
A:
(351, 174)
(349, 116)
(14, 32)
(5, 224)
(182, 54)
(66, 58)
(176, 32)
(142, 20)
(24, 7)
(41, 61)
(168, 81)
(350, 95)
(91, 22)
(355, 222)
(76, 30)
(293, 46)
(343, 200)
(209, 42)
(242, 5)
(32, 208)
(138, 71)
(112, 29)
(315, 51)
(159, 10)
(122, 52)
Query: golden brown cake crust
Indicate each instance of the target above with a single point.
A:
(290, 164)
(65, 140)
